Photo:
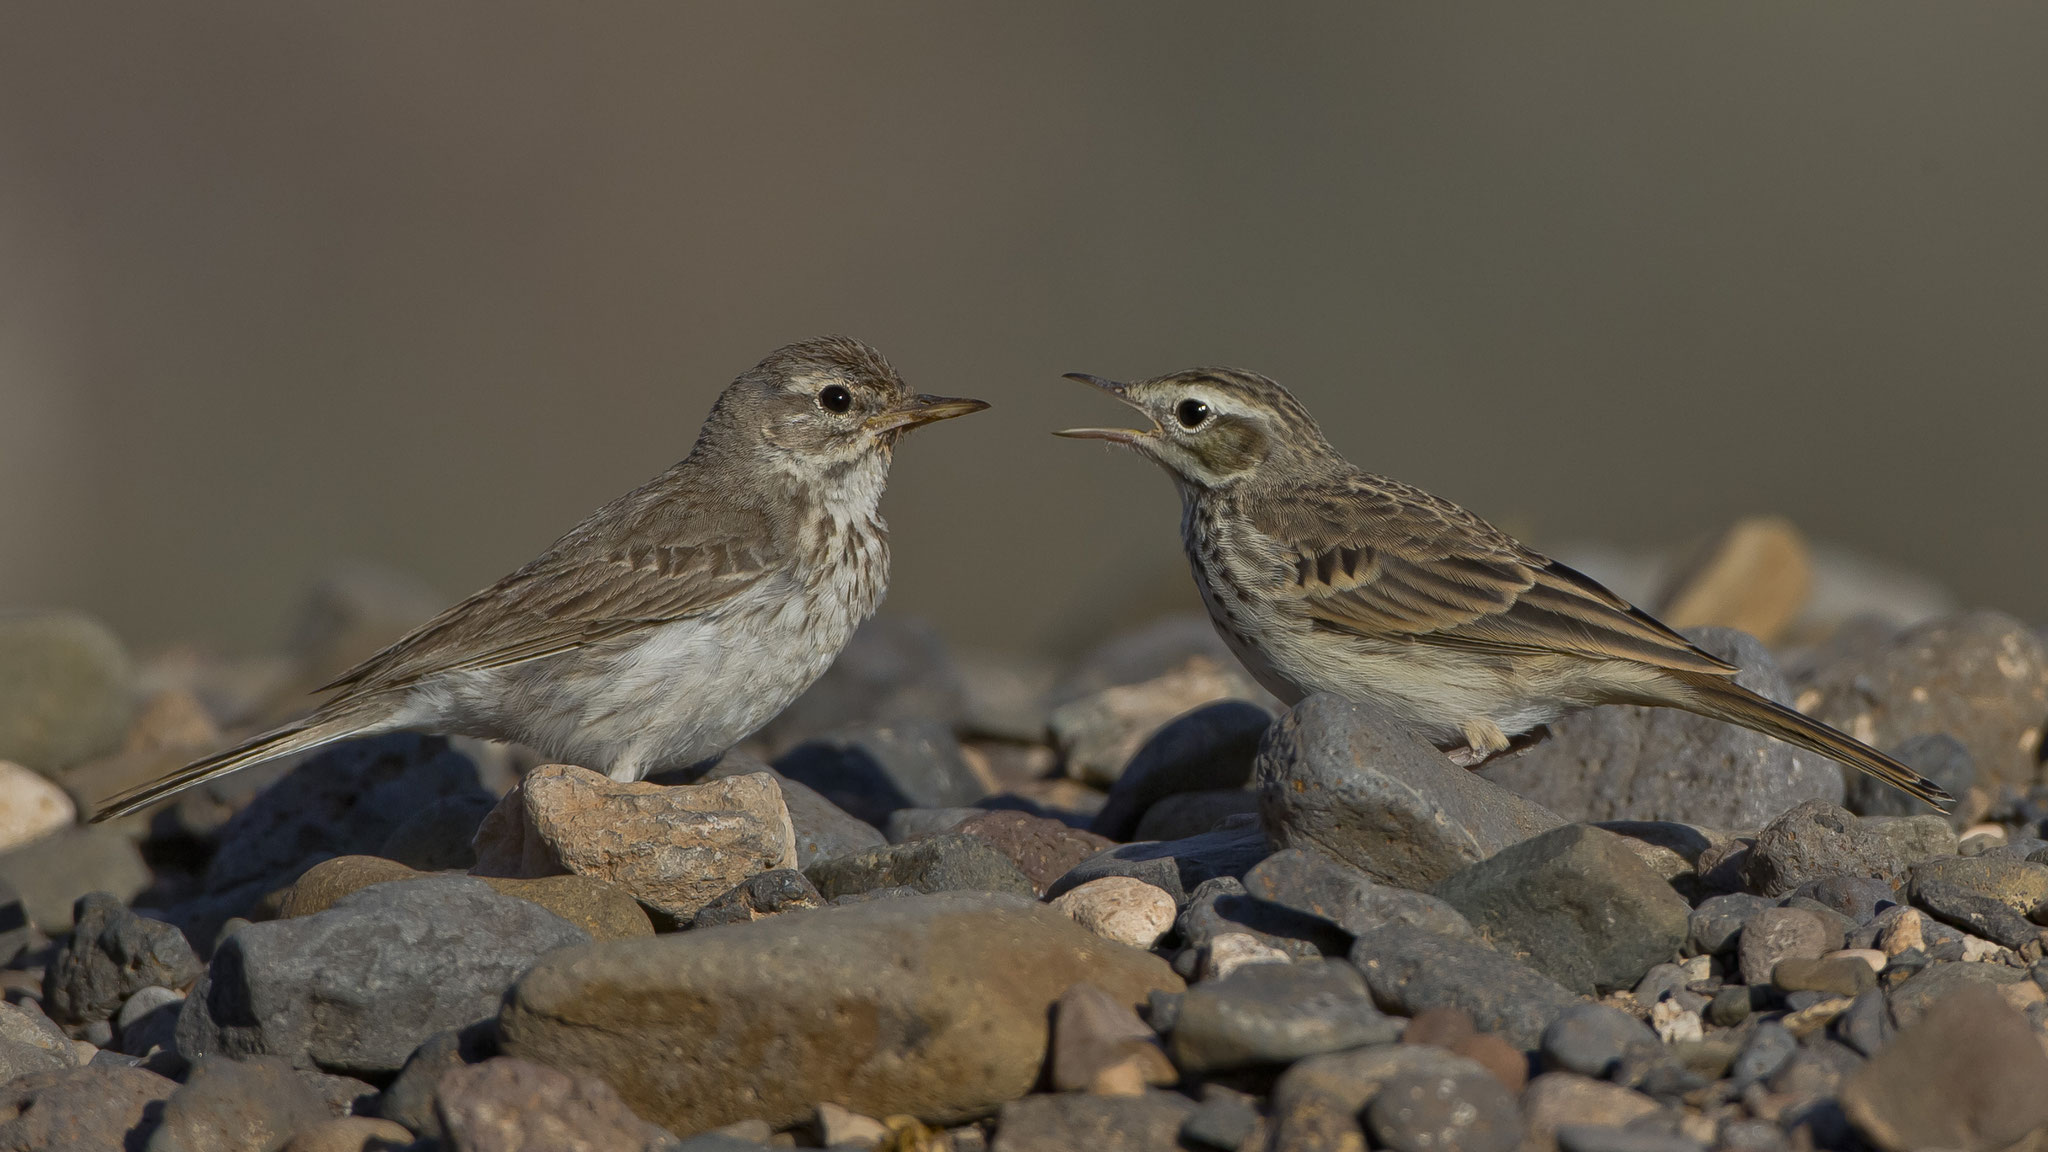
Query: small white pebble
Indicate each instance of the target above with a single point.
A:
(1995, 831)
(1120, 908)
(30, 806)
(1233, 950)
(1674, 1023)
(1870, 956)
(1977, 948)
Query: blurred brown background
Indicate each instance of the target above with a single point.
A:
(283, 285)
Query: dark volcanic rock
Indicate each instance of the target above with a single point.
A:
(111, 955)
(1266, 1014)
(948, 863)
(771, 892)
(82, 1108)
(1817, 840)
(1347, 780)
(1311, 883)
(933, 1005)
(1072, 1120)
(1410, 970)
(359, 986)
(1211, 747)
(1578, 903)
(872, 771)
(1176, 866)
(1193, 813)
(1633, 763)
(1988, 896)
(1936, 755)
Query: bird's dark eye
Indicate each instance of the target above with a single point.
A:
(1191, 413)
(835, 398)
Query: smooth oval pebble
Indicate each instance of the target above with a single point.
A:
(1871, 956)
(1120, 908)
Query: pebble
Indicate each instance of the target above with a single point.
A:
(1817, 840)
(1866, 1024)
(768, 893)
(1980, 677)
(945, 863)
(1231, 951)
(1635, 763)
(111, 954)
(148, 1022)
(67, 690)
(1209, 748)
(1715, 926)
(356, 988)
(1042, 848)
(1870, 956)
(1847, 976)
(30, 1042)
(1675, 1023)
(350, 1134)
(411, 1097)
(1578, 903)
(1902, 934)
(1069, 1121)
(1410, 970)
(1222, 905)
(1555, 1100)
(1317, 1104)
(509, 1104)
(1349, 780)
(1177, 867)
(839, 1127)
(604, 910)
(1860, 898)
(1099, 1045)
(936, 1004)
(823, 829)
(1432, 1110)
(1920, 992)
(1594, 1040)
(255, 1102)
(1774, 935)
(1275, 1014)
(1987, 896)
(1120, 908)
(872, 770)
(1311, 883)
(1966, 1074)
(80, 1108)
(30, 806)
(674, 849)
(1099, 733)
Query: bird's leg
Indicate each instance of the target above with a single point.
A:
(1485, 743)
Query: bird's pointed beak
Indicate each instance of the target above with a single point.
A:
(922, 409)
(1130, 436)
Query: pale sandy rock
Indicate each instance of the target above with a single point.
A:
(1233, 950)
(1902, 934)
(841, 1127)
(1120, 908)
(30, 806)
(1556, 1099)
(675, 848)
(1755, 576)
(1871, 956)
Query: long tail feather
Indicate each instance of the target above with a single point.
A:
(269, 746)
(1725, 700)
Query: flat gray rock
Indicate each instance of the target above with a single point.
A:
(1410, 970)
(1347, 780)
(1275, 1014)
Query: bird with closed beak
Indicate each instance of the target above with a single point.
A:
(676, 620)
(1322, 577)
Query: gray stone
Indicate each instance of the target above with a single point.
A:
(1860, 898)
(51, 872)
(1635, 763)
(359, 986)
(1936, 755)
(1766, 1050)
(1177, 866)
(824, 830)
(1221, 906)
(1311, 883)
(1867, 1024)
(148, 1022)
(254, 1103)
(1209, 748)
(1222, 1120)
(766, 894)
(893, 671)
(1439, 1110)
(1410, 970)
(1319, 1103)
(1988, 896)
(947, 863)
(1348, 780)
(1600, 1138)
(874, 770)
(1968, 1074)
(1818, 840)
(935, 1005)
(95, 1107)
(1980, 677)
(438, 837)
(1578, 903)
(1716, 924)
(907, 824)
(1595, 1040)
(112, 954)
(29, 1042)
(412, 1096)
(1913, 999)
(1778, 934)
(1073, 1120)
(1840, 976)
(1193, 813)
(1043, 848)
(1267, 1014)
(504, 1105)
(67, 690)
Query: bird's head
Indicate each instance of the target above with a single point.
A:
(1212, 428)
(825, 405)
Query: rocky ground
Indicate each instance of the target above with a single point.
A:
(955, 903)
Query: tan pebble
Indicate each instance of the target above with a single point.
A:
(1807, 1021)
(30, 806)
(1902, 934)
(1121, 908)
(1675, 1023)
(1870, 956)
(1698, 967)
(1756, 576)
(351, 1134)
(842, 1126)
(1233, 950)
(2022, 993)
(1977, 949)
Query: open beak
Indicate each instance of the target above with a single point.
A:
(922, 410)
(1113, 435)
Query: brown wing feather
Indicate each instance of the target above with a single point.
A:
(1430, 572)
